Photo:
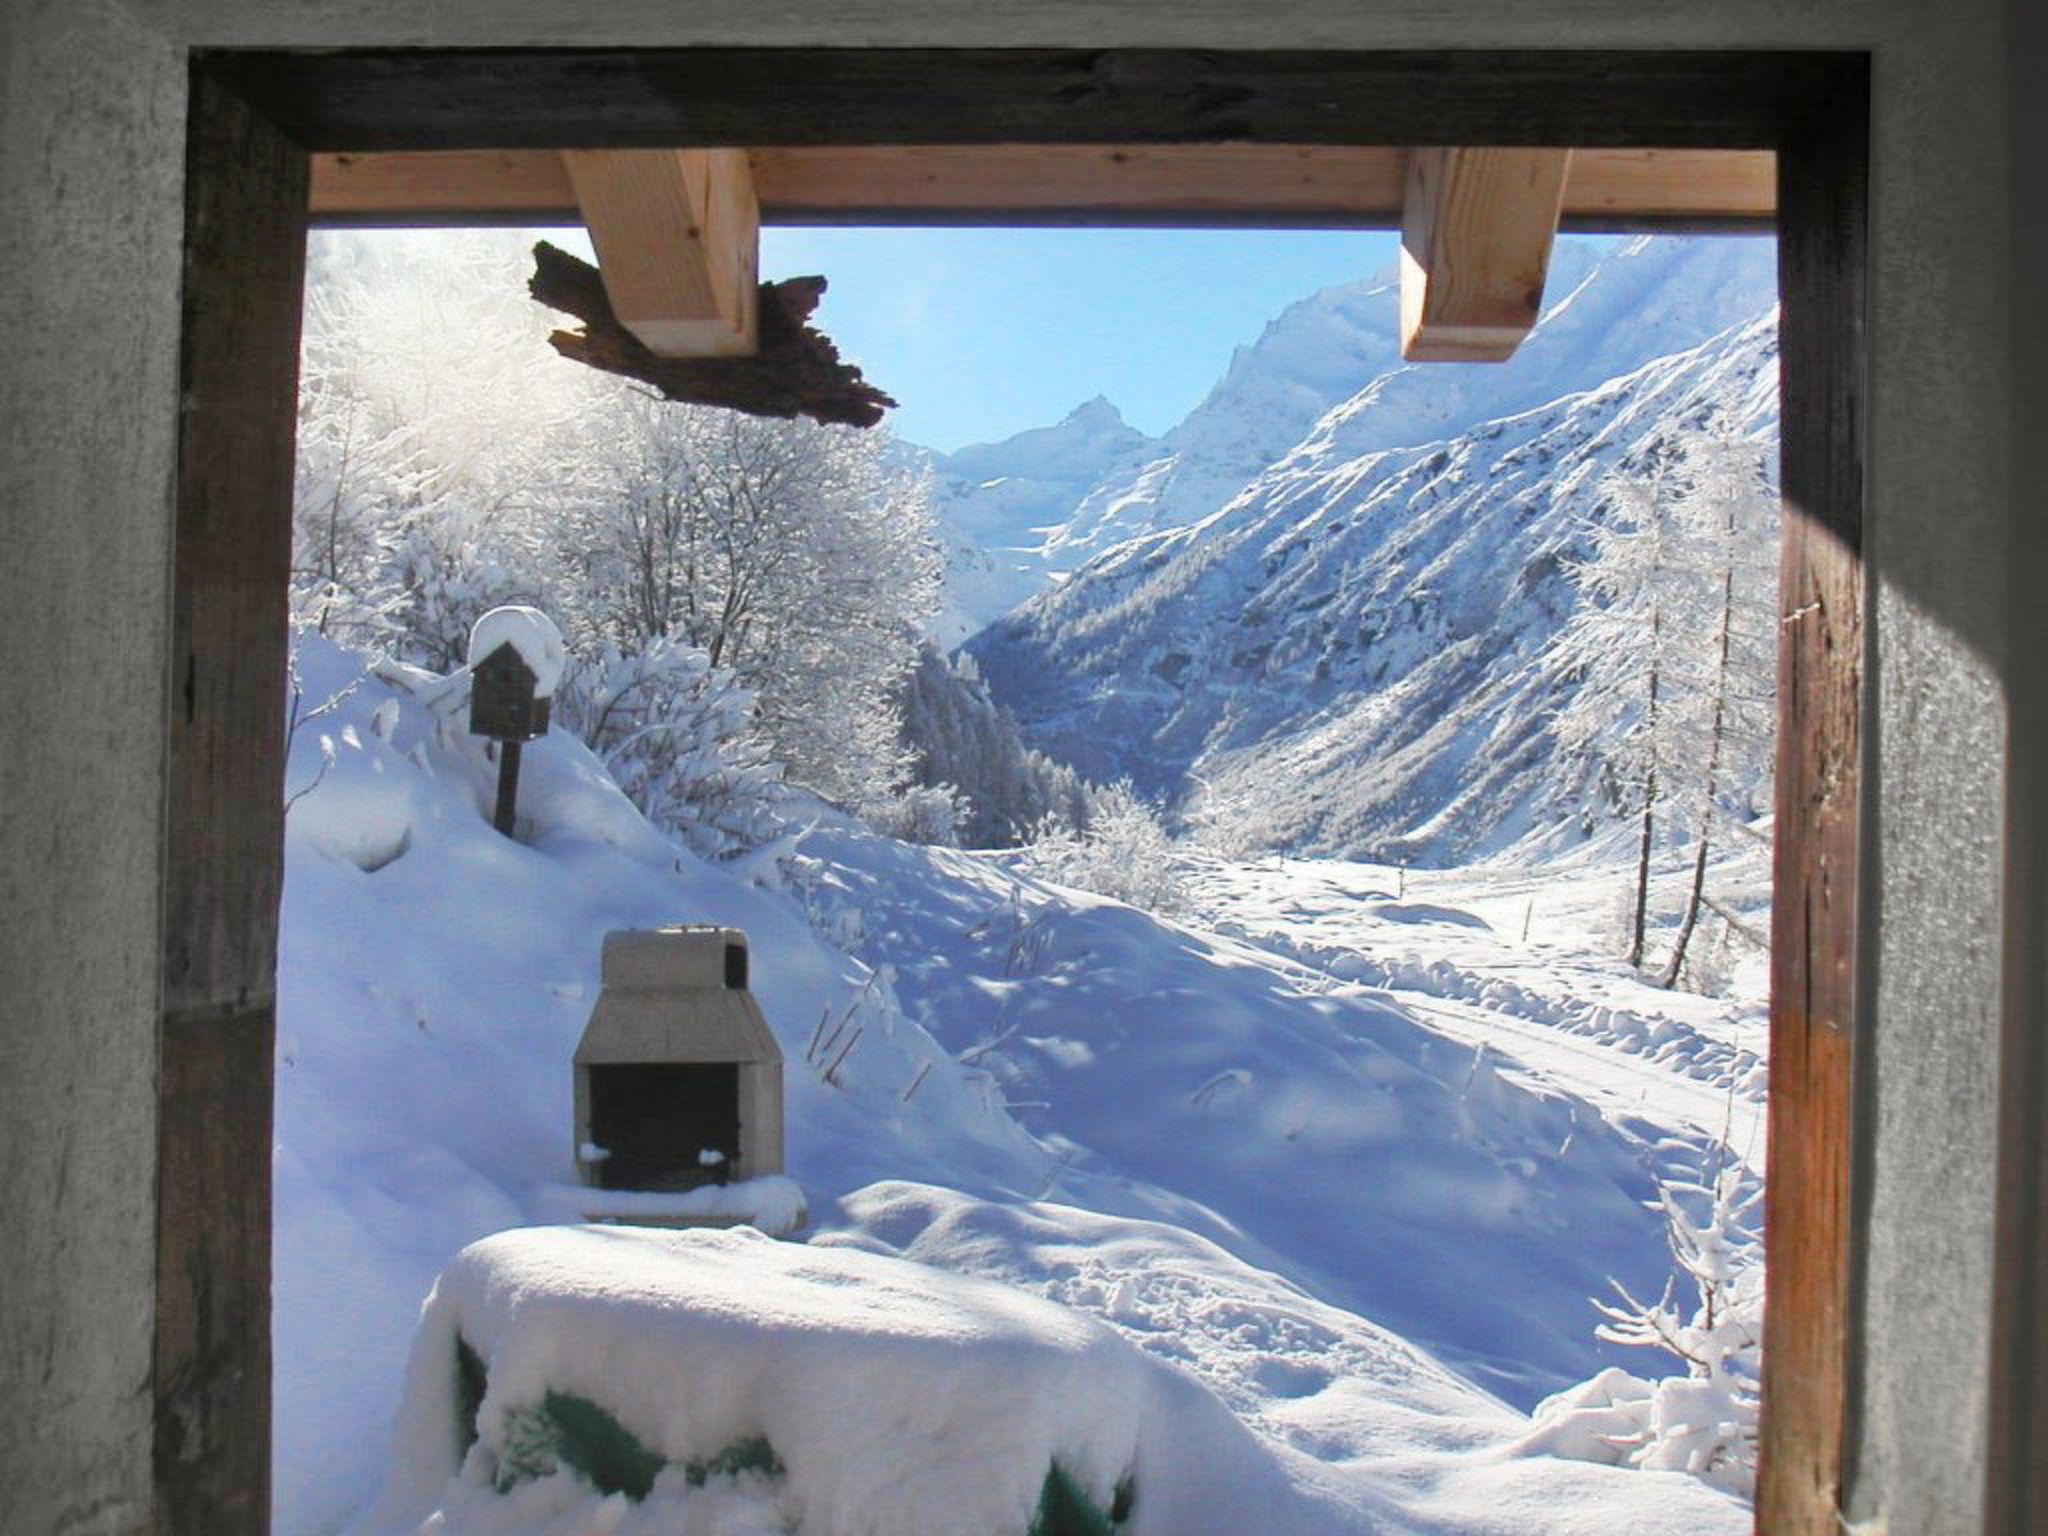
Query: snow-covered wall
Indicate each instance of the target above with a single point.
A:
(90, 161)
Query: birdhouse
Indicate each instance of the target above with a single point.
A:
(678, 1077)
(504, 701)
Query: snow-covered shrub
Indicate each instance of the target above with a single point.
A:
(931, 814)
(677, 734)
(1704, 1420)
(448, 572)
(1122, 851)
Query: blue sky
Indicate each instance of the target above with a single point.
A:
(980, 333)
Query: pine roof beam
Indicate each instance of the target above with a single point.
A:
(1477, 226)
(1195, 185)
(677, 236)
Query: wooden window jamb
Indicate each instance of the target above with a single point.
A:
(254, 118)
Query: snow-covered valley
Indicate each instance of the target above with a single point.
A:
(1354, 1164)
(1328, 1181)
(1330, 631)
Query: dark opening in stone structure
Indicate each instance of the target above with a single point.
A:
(665, 1126)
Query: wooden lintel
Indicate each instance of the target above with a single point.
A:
(677, 234)
(1476, 230)
(1188, 184)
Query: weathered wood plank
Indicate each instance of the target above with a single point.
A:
(212, 1386)
(555, 99)
(677, 236)
(223, 858)
(2017, 1437)
(1814, 1024)
(1192, 184)
(1477, 226)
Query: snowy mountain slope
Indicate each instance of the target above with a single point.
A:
(1612, 305)
(434, 978)
(1168, 1130)
(1348, 657)
(997, 504)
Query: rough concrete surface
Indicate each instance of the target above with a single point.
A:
(90, 185)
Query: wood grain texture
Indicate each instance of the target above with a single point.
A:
(360, 101)
(1809, 1223)
(677, 236)
(1477, 226)
(245, 252)
(2017, 1470)
(796, 371)
(1189, 184)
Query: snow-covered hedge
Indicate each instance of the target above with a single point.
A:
(568, 1379)
(676, 733)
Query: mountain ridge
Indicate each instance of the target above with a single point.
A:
(1343, 656)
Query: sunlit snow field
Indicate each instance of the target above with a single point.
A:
(1344, 1149)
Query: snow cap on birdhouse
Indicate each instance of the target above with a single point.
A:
(516, 658)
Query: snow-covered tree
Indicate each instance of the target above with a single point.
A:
(1121, 850)
(961, 738)
(1732, 515)
(450, 462)
(436, 433)
(788, 551)
(1669, 654)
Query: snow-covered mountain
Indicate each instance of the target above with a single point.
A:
(1022, 514)
(1344, 655)
(1000, 504)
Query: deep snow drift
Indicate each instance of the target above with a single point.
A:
(1369, 1239)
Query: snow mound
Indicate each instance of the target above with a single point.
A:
(529, 632)
(833, 1391)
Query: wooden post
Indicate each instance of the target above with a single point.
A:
(245, 241)
(1808, 1214)
(506, 815)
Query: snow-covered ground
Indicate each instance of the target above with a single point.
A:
(1346, 1160)
(1521, 961)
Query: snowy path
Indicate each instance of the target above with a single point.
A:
(1659, 1064)
(1628, 1091)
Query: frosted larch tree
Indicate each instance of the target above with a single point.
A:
(1669, 651)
